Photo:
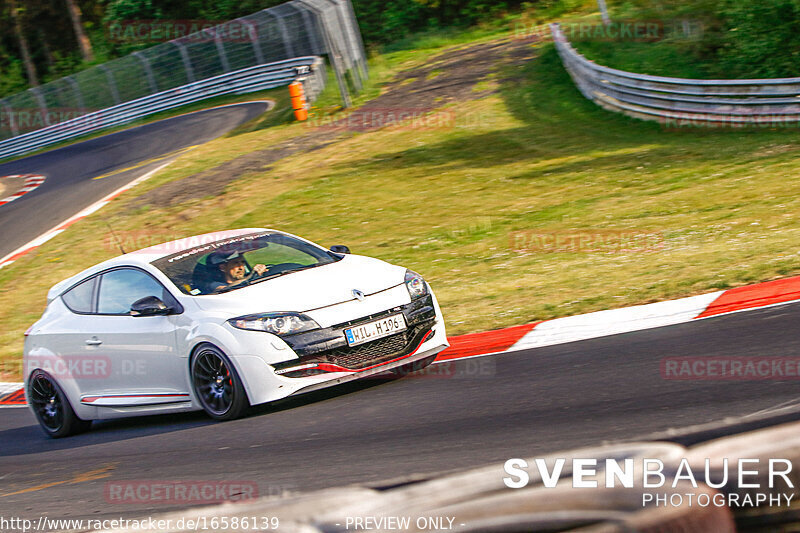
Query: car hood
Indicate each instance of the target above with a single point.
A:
(310, 289)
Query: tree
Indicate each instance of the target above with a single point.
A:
(80, 34)
(16, 14)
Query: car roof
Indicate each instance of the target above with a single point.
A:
(145, 256)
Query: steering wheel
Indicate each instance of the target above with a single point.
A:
(255, 275)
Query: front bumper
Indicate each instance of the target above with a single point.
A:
(326, 350)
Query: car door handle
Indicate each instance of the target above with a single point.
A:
(94, 341)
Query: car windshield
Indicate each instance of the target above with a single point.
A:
(237, 262)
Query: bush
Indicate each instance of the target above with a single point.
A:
(383, 21)
(739, 39)
(761, 39)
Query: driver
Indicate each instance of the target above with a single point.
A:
(233, 268)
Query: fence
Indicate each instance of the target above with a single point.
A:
(677, 100)
(295, 29)
(311, 70)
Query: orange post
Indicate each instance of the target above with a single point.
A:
(298, 95)
(296, 89)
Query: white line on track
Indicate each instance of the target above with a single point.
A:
(49, 234)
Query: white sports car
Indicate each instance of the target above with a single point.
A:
(219, 322)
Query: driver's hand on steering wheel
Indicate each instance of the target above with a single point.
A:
(260, 269)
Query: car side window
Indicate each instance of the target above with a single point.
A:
(119, 289)
(80, 298)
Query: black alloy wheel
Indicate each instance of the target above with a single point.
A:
(216, 384)
(53, 411)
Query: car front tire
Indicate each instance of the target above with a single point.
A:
(53, 411)
(216, 384)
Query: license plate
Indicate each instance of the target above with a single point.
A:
(375, 330)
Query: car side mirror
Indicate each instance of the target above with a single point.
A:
(149, 306)
(340, 249)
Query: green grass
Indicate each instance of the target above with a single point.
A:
(533, 157)
(669, 53)
(657, 58)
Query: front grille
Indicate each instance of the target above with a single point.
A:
(363, 355)
(329, 345)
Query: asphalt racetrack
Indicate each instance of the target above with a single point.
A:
(519, 404)
(120, 158)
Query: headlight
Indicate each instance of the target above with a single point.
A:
(417, 288)
(275, 323)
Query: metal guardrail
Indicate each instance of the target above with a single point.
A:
(311, 70)
(678, 100)
(298, 28)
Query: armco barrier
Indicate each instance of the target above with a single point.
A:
(309, 69)
(682, 101)
(297, 28)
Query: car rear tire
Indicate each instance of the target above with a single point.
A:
(217, 385)
(53, 411)
(415, 366)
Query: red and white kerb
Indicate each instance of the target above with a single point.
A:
(32, 181)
